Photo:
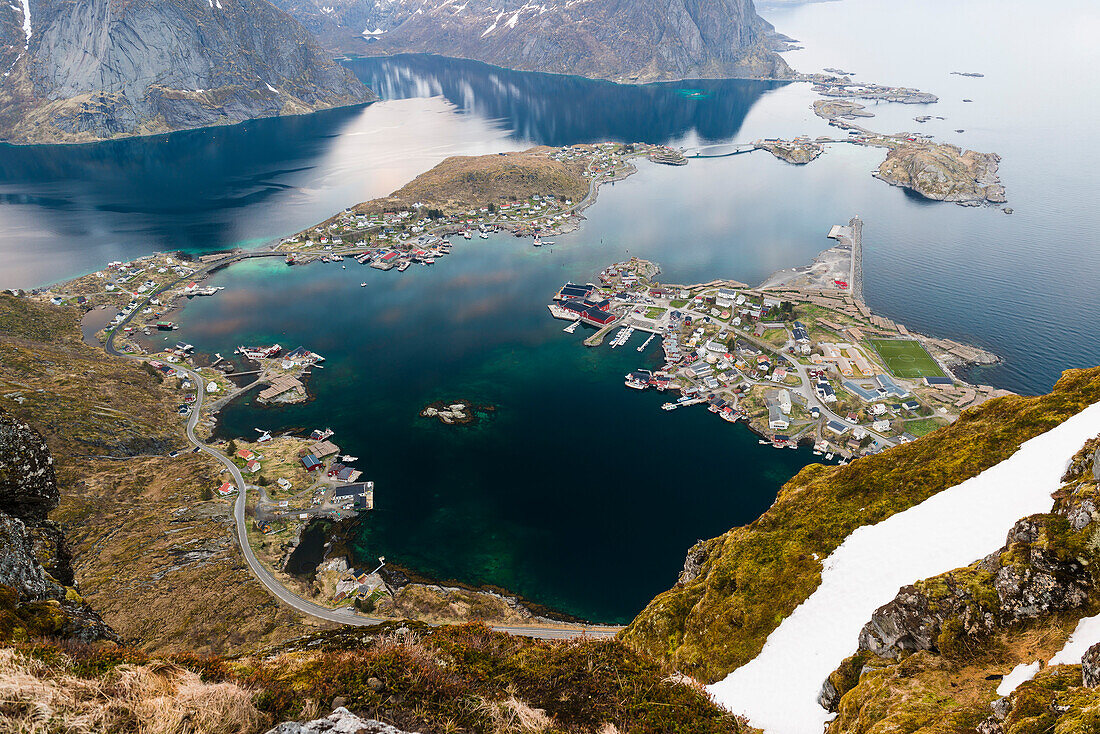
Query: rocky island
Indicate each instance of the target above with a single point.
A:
(944, 172)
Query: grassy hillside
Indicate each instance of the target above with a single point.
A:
(451, 679)
(462, 182)
(150, 554)
(752, 577)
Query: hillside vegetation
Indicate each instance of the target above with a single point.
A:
(462, 182)
(738, 587)
(158, 561)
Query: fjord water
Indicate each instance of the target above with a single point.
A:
(579, 493)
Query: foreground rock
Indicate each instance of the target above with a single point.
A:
(944, 172)
(34, 602)
(340, 721)
(95, 69)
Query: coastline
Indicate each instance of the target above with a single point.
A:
(212, 263)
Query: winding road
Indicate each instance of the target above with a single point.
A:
(262, 574)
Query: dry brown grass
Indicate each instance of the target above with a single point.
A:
(158, 698)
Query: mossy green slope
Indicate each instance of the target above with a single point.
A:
(752, 577)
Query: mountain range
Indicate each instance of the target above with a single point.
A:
(634, 41)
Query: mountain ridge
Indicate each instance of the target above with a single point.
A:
(620, 41)
(87, 70)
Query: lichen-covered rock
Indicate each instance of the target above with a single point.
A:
(1090, 667)
(340, 721)
(28, 486)
(1036, 573)
(19, 568)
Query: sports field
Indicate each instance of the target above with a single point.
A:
(906, 358)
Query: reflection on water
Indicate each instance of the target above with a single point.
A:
(550, 109)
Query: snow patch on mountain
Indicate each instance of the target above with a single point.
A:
(778, 689)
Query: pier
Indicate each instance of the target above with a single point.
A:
(855, 278)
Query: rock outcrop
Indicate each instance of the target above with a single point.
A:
(638, 41)
(1035, 574)
(94, 69)
(33, 600)
(944, 172)
(1036, 586)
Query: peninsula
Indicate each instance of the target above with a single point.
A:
(801, 358)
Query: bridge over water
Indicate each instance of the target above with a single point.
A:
(719, 150)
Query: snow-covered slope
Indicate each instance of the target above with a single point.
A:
(778, 689)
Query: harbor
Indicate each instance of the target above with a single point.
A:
(800, 359)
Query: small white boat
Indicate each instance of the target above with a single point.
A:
(362, 285)
(483, 235)
(829, 456)
(347, 457)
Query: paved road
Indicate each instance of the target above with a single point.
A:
(265, 577)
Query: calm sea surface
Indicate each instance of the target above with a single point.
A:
(579, 493)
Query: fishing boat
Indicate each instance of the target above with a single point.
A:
(728, 416)
(829, 456)
(403, 266)
(466, 234)
(483, 235)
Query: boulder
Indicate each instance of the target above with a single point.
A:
(340, 721)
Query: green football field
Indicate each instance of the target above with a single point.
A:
(906, 358)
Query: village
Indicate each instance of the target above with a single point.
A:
(799, 364)
(386, 235)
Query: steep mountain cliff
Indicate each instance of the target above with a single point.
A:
(737, 588)
(949, 651)
(642, 40)
(82, 70)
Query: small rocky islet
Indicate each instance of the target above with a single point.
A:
(457, 412)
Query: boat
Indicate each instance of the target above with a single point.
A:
(829, 456)
(428, 261)
(762, 442)
(483, 235)
(362, 285)
(466, 234)
(729, 417)
(572, 327)
(636, 385)
(348, 458)
(669, 406)
(403, 266)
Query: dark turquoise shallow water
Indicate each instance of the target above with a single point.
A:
(579, 493)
